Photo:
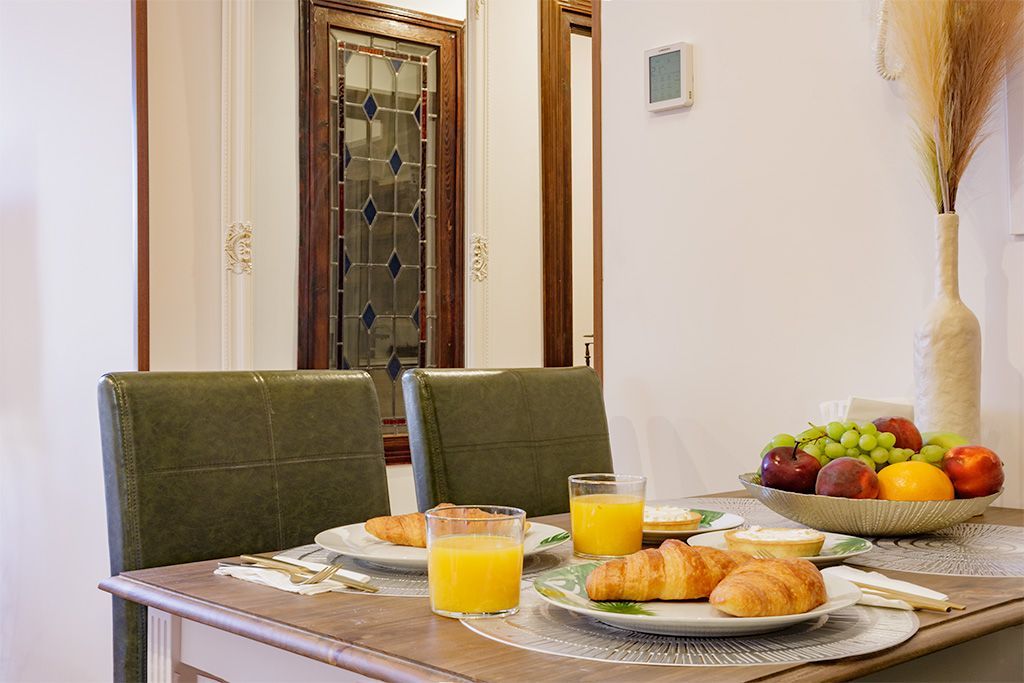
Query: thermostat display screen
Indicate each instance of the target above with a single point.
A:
(665, 77)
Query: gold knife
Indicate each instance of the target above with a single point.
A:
(272, 563)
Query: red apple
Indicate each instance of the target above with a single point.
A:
(847, 478)
(790, 469)
(903, 429)
(974, 470)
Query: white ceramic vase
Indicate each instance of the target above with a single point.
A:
(947, 348)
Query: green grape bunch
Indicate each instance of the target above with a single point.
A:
(852, 440)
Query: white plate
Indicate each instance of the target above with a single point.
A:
(353, 540)
(725, 521)
(836, 549)
(564, 587)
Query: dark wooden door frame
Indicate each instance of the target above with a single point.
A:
(140, 74)
(559, 19)
(315, 19)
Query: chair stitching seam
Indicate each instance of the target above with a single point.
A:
(130, 473)
(134, 534)
(267, 461)
(433, 434)
(532, 441)
(269, 424)
(538, 442)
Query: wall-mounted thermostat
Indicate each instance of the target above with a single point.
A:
(669, 81)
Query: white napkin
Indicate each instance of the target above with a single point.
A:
(867, 409)
(880, 580)
(316, 566)
(280, 580)
(275, 579)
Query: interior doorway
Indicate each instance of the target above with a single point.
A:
(571, 235)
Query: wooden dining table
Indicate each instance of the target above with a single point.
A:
(399, 639)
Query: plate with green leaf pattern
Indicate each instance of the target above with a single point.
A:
(565, 588)
(353, 540)
(836, 549)
(710, 520)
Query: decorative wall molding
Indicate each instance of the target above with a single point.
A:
(238, 248)
(480, 257)
(237, 292)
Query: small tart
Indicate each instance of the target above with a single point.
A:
(760, 541)
(670, 518)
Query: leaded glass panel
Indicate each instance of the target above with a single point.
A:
(383, 260)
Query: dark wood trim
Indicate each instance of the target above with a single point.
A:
(315, 19)
(140, 73)
(595, 46)
(397, 450)
(558, 20)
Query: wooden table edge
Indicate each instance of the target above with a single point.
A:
(330, 650)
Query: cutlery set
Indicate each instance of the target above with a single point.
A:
(300, 574)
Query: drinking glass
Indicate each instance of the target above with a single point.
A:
(475, 560)
(607, 513)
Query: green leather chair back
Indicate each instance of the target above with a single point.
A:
(203, 465)
(504, 437)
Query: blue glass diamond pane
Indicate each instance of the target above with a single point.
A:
(395, 162)
(394, 367)
(416, 113)
(348, 156)
(369, 316)
(370, 211)
(348, 263)
(416, 316)
(344, 363)
(370, 107)
(394, 264)
(397, 64)
(416, 215)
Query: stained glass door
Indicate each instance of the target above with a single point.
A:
(383, 258)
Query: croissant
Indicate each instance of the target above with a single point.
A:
(411, 529)
(674, 571)
(770, 588)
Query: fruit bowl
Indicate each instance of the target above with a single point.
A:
(867, 517)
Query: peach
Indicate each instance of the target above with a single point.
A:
(974, 470)
(847, 478)
(903, 429)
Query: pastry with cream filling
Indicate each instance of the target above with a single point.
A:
(761, 542)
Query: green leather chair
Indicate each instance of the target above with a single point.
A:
(203, 465)
(504, 437)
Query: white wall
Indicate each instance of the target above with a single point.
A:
(504, 325)
(184, 184)
(582, 111)
(67, 282)
(772, 247)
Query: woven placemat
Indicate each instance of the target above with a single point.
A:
(960, 550)
(411, 583)
(541, 627)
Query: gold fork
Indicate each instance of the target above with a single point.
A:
(322, 575)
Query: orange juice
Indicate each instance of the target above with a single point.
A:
(474, 574)
(607, 523)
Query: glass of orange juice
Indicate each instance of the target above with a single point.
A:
(475, 560)
(607, 513)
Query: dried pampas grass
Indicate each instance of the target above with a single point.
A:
(957, 54)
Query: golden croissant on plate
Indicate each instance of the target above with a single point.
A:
(770, 588)
(674, 571)
(411, 529)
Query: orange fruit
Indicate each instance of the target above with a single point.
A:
(912, 480)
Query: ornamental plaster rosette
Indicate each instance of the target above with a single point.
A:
(947, 348)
